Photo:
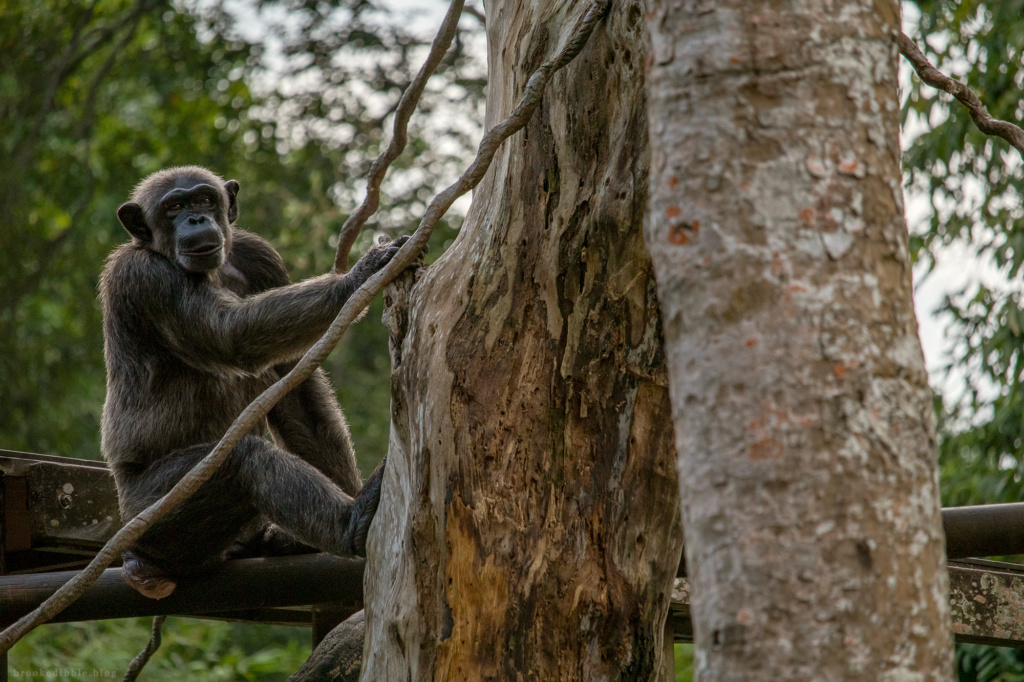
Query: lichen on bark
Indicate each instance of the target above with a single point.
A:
(802, 411)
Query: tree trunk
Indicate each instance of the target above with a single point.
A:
(803, 417)
(529, 523)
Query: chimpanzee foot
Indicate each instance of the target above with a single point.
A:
(364, 508)
(277, 542)
(145, 578)
(269, 541)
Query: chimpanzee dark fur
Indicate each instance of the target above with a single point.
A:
(199, 318)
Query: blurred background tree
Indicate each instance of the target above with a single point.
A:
(293, 98)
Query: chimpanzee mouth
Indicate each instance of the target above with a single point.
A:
(211, 250)
(202, 259)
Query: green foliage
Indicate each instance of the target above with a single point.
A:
(196, 650)
(96, 95)
(972, 184)
(81, 118)
(968, 176)
(979, 663)
(684, 662)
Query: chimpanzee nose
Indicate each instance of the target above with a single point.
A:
(196, 219)
(199, 236)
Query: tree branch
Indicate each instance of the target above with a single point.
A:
(476, 14)
(400, 136)
(259, 407)
(83, 131)
(985, 121)
(66, 64)
(140, 661)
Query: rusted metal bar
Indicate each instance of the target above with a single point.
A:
(241, 585)
(987, 600)
(58, 502)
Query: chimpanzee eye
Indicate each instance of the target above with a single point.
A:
(204, 201)
(174, 206)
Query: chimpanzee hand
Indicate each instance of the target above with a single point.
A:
(377, 257)
(364, 508)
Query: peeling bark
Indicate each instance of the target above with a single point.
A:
(529, 523)
(802, 413)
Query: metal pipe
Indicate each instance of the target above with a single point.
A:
(237, 586)
(984, 530)
(978, 531)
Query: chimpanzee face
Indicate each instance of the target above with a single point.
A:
(184, 218)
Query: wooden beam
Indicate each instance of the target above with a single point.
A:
(63, 506)
(58, 502)
(242, 585)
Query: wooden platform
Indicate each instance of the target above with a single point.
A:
(55, 513)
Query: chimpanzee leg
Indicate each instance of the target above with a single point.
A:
(257, 479)
(198, 531)
(300, 499)
(309, 423)
(190, 538)
(267, 540)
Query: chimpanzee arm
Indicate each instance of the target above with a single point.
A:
(210, 328)
(308, 421)
(282, 323)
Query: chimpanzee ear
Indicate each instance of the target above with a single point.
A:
(232, 187)
(134, 220)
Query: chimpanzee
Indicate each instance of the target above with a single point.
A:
(199, 318)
